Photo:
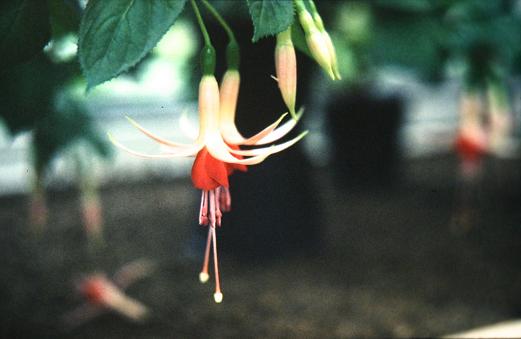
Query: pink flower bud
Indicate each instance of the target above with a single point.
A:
(286, 69)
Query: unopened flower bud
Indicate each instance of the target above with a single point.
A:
(306, 20)
(332, 54)
(286, 69)
(318, 46)
(329, 43)
(319, 49)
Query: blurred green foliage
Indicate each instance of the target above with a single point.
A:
(62, 129)
(35, 99)
(485, 36)
(34, 86)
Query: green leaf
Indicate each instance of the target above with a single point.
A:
(25, 29)
(270, 16)
(116, 34)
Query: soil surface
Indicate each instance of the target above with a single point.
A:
(394, 261)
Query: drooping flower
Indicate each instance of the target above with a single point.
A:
(229, 92)
(104, 294)
(218, 155)
(471, 141)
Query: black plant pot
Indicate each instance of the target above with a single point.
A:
(364, 131)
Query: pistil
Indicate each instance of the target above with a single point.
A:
(217, 296)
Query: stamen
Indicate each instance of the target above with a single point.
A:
(225, 199)
(203, 210)
(212, 208)
(221, 200)
(218, 213)
(217, 296)
(204, 276)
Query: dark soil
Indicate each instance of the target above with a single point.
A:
(390, 263)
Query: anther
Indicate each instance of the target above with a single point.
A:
(218, 297)
(203, 277)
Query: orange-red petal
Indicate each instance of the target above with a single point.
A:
(230, 168)
(94, 290)
(208, 173)
(469, 149)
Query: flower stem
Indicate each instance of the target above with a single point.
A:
(221, 20)
(232, 51)
(316, 16)
(201, 24)
(208, 57)
(299, 5)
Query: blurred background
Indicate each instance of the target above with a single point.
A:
(398, 214)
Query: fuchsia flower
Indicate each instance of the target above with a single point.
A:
(104, 294)
(217, 154)
(471, 141)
